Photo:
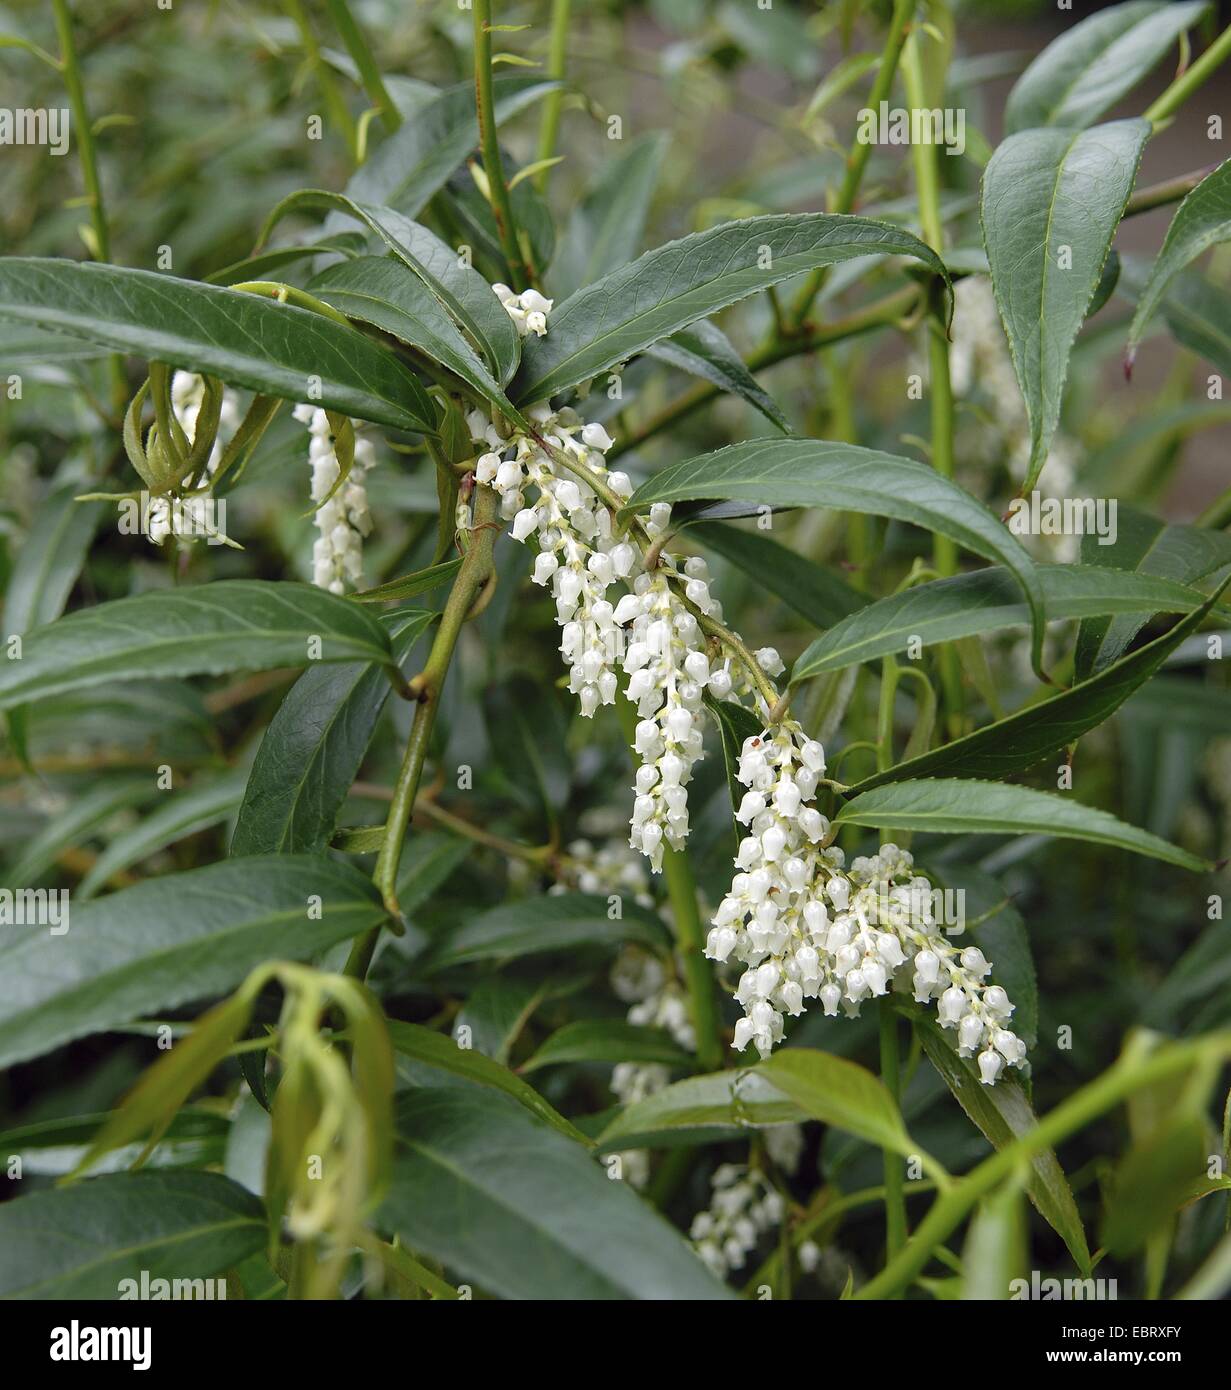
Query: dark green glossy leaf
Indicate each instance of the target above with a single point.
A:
(1052, 200)
(230, 625)
(608, 1040)
(677, 284)
(704, 350)
(81, 1242)
(245, 339)
(697, 1106)
(171, 940)
(840, 1093)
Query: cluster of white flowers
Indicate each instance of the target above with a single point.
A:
(805, 926)
(528, 310)
(193, 515)
(612, 870)
(343, 519)
(743, 1208)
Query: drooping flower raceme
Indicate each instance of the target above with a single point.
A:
(342, 518)
(743, 1207)
(805, 926)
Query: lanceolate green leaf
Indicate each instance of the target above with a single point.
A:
(81, 1242)
(525, 1213)
(1052, 200)
(463, 292)
(1144, 545)
(946, 806)
(1021, 740)
(410, 585)
(840, 1093)
(677, 284)
(985, 601)
(385, 294)
(1092, 65)
(608, 1040)
(50, 560)
(1202, 220)
(437, 1050)
(245, 339)
(704, 350)
(230, 625)
(314, 746)
(814, 473)
(179, 813)
(1002, 1114)
(606, 227)
(167, 941)
(693, 1108)
(555, 923)
(406, 169)
(813, 591)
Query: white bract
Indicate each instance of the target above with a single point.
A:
(343, 519)
(806, 927)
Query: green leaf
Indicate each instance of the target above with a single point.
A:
(705, 351)
(1145, 545)
(698, 1105)
(606, 227)
(815, 473)
(384, 293)
(170, 940)
(735, 724)
(314, 746)
(840, 1093)
(195, 1138)
(945, 806)
(264, 264)
(554, 923)
(182, 813)
(81, 1242)
(410, 166)
(1002, 1114)
(245, 339)
(463, 292)
(428, 861)
(85, 814)
(994, 1253)
(1084, 72)
(816, 593)
(49, 562)
(1045, 191)
(984, 601)
(677, 284)
(505, 1202)
(212, 629)
(608, 1040)
(410, 585)
(1202, 220)
(437, 1050)
(1022, 739)
(1198, 313)
(1152, 1181)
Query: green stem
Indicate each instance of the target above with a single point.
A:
(427, 685)
(554, 100)
(1120, 1080)
(489, 142)
(891, 1075)
(883, 311)
(1159, 195)
(940, 385)
(857, 160)
(339, 113)
(87, 157)
(690, 933)
(369, 73)
(1193, 77)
